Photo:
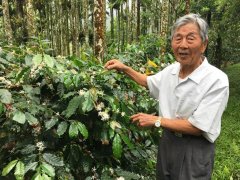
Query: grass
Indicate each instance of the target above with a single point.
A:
(227, 159)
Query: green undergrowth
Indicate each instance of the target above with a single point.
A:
(227, 160)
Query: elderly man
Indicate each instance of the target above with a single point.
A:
(192, 96)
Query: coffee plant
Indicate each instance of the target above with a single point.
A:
(69, 118)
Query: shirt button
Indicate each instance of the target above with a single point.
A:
(177, 116)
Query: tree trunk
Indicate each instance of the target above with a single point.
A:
(98, 29)
(112, 24)
(30, 19)
(86, 23)
(138, 18)
(7, 23)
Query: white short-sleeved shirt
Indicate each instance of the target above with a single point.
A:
(201, 97)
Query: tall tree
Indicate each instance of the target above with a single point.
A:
(30, 18)
(7, 21)
(98, 29)
(138, 18)
(86, 22)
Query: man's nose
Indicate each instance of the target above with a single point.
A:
(183, 43)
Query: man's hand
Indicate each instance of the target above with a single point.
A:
(144, 120)
(115, 64)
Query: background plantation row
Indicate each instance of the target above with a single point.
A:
(68, 118)
(108, 26)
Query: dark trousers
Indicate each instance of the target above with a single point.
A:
(184, 157)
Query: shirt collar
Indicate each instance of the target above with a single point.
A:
(196, 75)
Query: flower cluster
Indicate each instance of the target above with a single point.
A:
(100, 106)
(40, 145)
(81, 92)
(5, 81)
(104, 115)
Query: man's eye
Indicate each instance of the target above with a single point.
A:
(178, 39)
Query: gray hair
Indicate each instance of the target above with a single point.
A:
(192, 18)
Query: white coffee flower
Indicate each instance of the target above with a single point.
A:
(81, 92)
(100, 93)
(2, 79)
(117, 111)
(123, 114)
(104, 115)
(100, 106)
(120, 178)
(40, 145)
(142, 69)
(111, 170)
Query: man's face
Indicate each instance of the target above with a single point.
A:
(187, 45)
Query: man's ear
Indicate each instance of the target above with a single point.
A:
(204, 45)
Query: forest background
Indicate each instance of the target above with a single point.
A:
(63, 116)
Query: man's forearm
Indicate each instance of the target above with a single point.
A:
(180, 125)
(139, 78)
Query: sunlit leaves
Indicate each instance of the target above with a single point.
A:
(39, 58)
(73, 130)
(88, 103)
(62, 128)
(48, 169)
(31, 119)
(77, 127)
(19, 117)
(19, 170)
(9, 167)
(5, 96)
(48, 60)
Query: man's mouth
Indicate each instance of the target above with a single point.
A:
(183, 54)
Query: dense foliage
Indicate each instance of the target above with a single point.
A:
(68, 118)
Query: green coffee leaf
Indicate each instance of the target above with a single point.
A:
(72, 106)
(117, 146)
(88, 103)
(53, 159)
(46, 177)
(19, 170)
(9, 167)
(5, 96)
(31, 119)
(37, 59)
(19, 117)
(73, 129)
(48, 60)
(82, 129)
(31, 166)
(49, 124)
(62, 127)
(48, 169)
(1, 108)
(38, 177)
(127, 141)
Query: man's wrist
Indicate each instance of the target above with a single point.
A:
(158, 122)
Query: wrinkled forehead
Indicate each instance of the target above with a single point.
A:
(188, 27)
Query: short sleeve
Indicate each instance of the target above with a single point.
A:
(153, 83)
(207, 116)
